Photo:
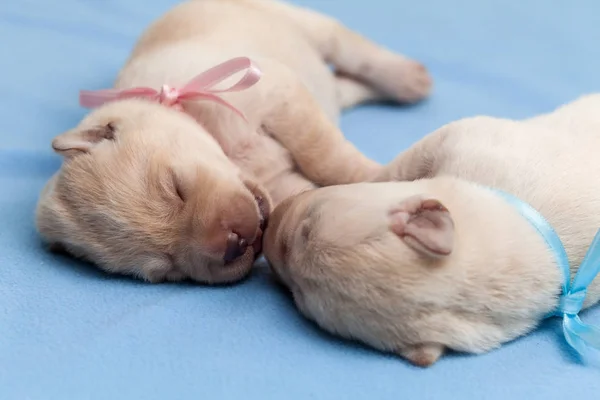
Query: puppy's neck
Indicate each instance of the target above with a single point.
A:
(506, 263)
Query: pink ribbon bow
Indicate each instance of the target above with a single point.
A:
(199, 87)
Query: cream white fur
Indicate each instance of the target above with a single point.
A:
(352, 273)
(159, 194)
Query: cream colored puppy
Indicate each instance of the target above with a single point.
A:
(157, 193)
(439, 261)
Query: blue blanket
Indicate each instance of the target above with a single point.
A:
(68, 331)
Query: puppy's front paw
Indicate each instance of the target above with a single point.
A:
(408, 80)
(423, 355)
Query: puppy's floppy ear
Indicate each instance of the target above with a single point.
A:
(78, 140)
(425, 225)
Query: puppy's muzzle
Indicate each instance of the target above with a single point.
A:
(237, 246)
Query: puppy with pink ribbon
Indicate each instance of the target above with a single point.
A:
(224, 109)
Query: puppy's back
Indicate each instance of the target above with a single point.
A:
(549, 161)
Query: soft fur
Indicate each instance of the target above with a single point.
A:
(438, 261)
(161, 194)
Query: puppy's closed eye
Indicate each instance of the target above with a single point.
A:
(164, 183)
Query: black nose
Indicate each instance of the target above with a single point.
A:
(236, 247)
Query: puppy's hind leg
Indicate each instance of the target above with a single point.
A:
(392, 76)
(351, 92)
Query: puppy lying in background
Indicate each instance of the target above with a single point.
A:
(438, 260)
(150, 191)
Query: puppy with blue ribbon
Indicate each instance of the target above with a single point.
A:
(469, 239)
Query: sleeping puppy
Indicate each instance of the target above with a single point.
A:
(438, 260)
(150, 191)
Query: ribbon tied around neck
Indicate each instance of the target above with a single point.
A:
(200, 87)
(582, 337)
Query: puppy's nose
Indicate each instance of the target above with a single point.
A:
(236, 247)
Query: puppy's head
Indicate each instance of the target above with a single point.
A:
(144, 190)
(412, 274)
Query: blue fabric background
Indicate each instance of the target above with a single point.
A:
(70, 332)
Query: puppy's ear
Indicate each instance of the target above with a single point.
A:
(424, 355)
(78, 141)
(425, 225)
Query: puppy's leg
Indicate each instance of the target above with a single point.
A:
(314, 142)
(393, 76)
(351, 92)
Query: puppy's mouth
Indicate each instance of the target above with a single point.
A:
(263, 210)
(238, 247)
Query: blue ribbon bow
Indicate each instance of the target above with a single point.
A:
(583, 338)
